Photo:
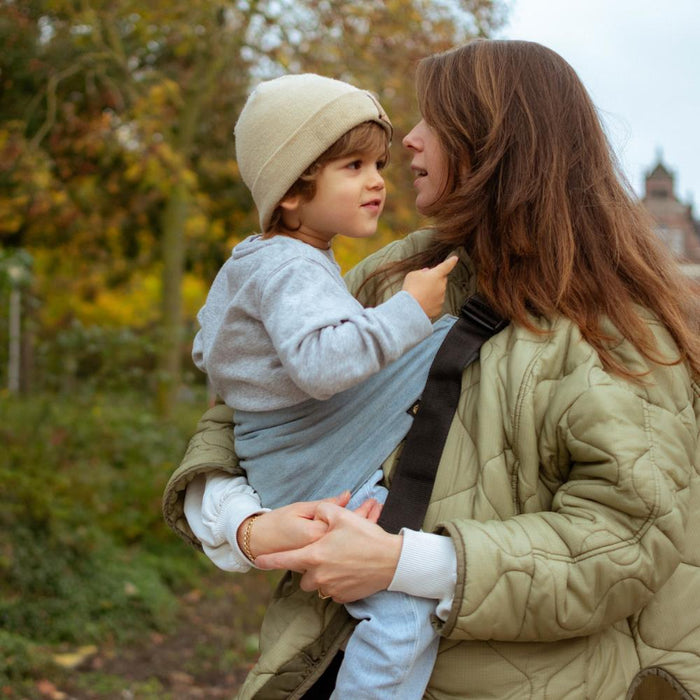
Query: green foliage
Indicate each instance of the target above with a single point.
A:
(80, 589)
(84, 552)
(111, 359)
(19, 657)
(102, 686)
(15, 269)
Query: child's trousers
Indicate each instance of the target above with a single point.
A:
(392, 650)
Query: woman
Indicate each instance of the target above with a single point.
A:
(567, 491)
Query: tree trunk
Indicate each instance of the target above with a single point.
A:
(15, 335)
(173, 237)
(173, 242)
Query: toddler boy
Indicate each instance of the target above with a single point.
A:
(322, 387)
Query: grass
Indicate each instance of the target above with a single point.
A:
(85, 557)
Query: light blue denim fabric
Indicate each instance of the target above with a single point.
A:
(317, 449)
(392, 650)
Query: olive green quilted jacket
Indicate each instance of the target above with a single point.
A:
(573, 502)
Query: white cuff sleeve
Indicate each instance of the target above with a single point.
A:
(215, 507)
(427, 568)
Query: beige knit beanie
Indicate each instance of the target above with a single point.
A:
(287, 123)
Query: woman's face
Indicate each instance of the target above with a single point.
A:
(429, 164)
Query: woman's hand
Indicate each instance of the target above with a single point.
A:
(352, 559)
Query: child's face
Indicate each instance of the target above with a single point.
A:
(429, 164)
(349, 198)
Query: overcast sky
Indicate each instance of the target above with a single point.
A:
(640, 60)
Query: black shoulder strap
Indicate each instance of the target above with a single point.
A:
(412, 482)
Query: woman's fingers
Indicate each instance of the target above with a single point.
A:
(292, 527)
(304, 558)
(369, 510)
(292, 560)
(289, 527)
(375, 512)
(352, 559)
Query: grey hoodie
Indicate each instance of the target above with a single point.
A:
(321, 386)
(279, 327)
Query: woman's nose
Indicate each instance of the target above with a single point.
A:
(409, 141)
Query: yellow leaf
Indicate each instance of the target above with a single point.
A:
(73, 659)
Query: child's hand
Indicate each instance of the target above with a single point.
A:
(370, 510)
(289, 527)
(427, 286)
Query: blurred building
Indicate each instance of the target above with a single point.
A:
(675, 223)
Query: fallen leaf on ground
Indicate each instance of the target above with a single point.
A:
(73, 659)
(48, 689)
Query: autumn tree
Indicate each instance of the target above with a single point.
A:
(116, 146)
(113, 134)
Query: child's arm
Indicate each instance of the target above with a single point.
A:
(215, 504)
(218, 506)
(327, 342)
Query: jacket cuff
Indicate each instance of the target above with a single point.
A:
(427, 568)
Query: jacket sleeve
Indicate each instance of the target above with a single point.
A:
(210, 449)
(610, 540)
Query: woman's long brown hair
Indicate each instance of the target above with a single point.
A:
(536, 198)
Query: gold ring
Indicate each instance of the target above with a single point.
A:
(322, 595)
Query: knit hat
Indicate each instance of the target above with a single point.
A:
(287, 123)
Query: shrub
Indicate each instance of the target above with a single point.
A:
(19, 658)
(84, 551)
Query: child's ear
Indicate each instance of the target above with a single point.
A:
(291, 203)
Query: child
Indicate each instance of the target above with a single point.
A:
(307, 369)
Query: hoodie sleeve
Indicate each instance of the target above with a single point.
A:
(325, 339)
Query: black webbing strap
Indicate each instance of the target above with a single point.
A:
(412, 483)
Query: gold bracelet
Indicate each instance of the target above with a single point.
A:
(246, 537)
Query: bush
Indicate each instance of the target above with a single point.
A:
(80, 595)
(18, 658)
(84, 552)
(110, 358)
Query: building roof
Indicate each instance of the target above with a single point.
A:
(660, 171)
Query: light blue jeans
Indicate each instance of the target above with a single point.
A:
(392, 650)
